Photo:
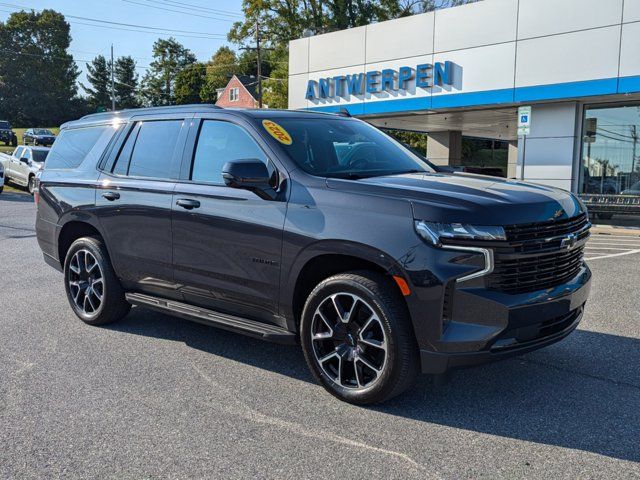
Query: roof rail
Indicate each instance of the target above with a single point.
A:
(166, 108)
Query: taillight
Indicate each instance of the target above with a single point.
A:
(36, 196)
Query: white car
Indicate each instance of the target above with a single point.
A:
(23, 164)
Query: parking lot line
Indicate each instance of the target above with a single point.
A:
(630, 252)
(607, 248)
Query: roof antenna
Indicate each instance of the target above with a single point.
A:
(343, 112)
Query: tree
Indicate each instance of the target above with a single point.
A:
(275, 86)
(284, 20)
(99, 77)
(189, 83)
(170, 57)
(223, 64)
(37, 74)
(430, 5)
(126, 83)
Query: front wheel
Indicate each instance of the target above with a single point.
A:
(93, 290)
(357, 338)
(31, 185)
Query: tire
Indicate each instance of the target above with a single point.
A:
(31, 184)
(605, 216)
(378, 334)
(1, 189)
(93, 289)
(14, 141)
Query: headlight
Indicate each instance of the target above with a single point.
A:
(434, 232)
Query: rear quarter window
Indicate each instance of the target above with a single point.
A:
(74, 145)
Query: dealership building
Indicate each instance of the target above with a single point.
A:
(461, 75)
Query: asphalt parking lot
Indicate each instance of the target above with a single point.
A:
(159, 397)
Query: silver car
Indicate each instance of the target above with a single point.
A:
(23, 164)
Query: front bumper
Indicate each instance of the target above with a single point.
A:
(490, 325)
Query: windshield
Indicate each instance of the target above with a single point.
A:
(39, 155)
(345, 148)
(4, 126)
(42, 131)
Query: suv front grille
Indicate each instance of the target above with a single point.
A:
(534, 258)
(545, 230)
(537, 272)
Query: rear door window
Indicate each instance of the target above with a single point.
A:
(73, 145)
(149, 149)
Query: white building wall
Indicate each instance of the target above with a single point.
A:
(506, 52)
(549, 150)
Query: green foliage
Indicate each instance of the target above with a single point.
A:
(284, 20)
(126, 83)
(158, 85)
(37, 74)
(415, 140)
(99, 77)
(430, 5)
(223, 64)
(189, 83)
(275, 87)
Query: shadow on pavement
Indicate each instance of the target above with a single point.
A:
(582, 393)
(15, 197)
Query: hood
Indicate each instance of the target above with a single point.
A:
(467, 198)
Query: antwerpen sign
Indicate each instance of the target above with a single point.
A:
(425, 75)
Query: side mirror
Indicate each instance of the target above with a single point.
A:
(25, 160)
(250, 174)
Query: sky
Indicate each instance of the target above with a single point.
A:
(213, 17)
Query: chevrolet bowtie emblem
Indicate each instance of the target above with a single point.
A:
(569, 241)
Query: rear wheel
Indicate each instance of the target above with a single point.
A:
(93, 290)
(357, 338)
(31, 185)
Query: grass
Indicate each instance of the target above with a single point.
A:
(19, 132)
(13, 189)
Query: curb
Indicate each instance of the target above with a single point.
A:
(610, 230)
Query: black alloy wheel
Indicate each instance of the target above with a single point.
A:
(357, 338)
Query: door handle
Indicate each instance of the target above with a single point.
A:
(111, 196)
(187, 203)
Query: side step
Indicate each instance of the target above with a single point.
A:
(245, 326)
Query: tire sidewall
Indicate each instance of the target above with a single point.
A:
(385, 384)
(90, 244)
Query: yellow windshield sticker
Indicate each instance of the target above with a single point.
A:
(277, 132)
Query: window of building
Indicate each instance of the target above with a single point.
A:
(610, 170)
(218, 143)
(234, 94)
(148, 151)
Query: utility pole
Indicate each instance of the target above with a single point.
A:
(259, 64)
(258, 48)
(113, 91)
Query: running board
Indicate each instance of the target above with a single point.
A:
(245, 326)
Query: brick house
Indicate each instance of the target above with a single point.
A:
(240, 92)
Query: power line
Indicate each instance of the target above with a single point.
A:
(191, 6)
(178, 11)
(128, 25)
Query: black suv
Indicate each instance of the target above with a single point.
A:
(7, 135)
(312, 228)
